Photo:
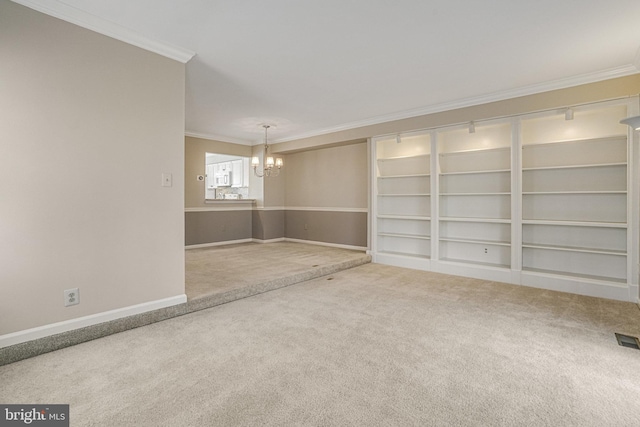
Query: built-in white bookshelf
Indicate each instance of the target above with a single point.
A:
(474, 184)
(536, 200)
(574, 194)
(403, 196)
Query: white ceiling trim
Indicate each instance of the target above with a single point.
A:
(220, 138)
(91, 22)
(479, 100)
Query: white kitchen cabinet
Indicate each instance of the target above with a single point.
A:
(211, 176)
(237, 173)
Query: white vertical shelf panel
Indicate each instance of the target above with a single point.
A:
(405, 246)
(586, 178)
(597, 207)
(485, 231)
(574, 194)
(435, 202)
(488, 206)
(402, 198)
(415, 184)
(479, 253)
(404, 226)
(596, 266)
(475, 195)
(410, 205)
(516, 199)
(578, 237)
(577, 152)
(404, 166)
(475, 160)
(633, 207)
(476, 182)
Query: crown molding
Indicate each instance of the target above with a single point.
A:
(91, 22)
(636, 61)
(564, 83)
(219, 138)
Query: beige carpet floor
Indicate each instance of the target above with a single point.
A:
(225, 269)
(373, 345)
(221, 274)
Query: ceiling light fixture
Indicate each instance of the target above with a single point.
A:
(634, 121)
(271, 167)
(568, 114)
(472, 127)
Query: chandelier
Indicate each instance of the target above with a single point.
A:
(271, 167)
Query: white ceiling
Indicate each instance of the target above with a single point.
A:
(311, 67)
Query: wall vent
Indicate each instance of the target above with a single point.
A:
(628, 341)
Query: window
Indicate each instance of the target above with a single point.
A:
(227, 177)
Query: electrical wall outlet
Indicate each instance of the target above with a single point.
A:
(71, 297)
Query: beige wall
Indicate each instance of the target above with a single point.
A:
(275, 187)
(88, 126)
(195, 150)
(326, 195)
(334, 177)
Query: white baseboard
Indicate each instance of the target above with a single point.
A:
(333, 245)
(82, 322)
(634, 292)
(575, 285)
(279, 239)
(554, 282)
(414, 263)
(223, 243)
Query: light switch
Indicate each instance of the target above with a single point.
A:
(167, 180)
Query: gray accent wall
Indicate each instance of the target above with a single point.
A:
(340, 228)
(268, 224)
(217, 226)
(343, 228)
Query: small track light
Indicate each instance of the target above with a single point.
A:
(568, 114)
